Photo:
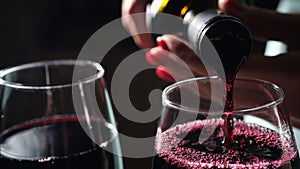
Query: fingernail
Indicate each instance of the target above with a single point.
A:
(152, 58)
(160, 72)
(160, 42)
(149, 57)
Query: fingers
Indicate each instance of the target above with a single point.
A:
(136, 24)
(263, 23)
(183, 51)
(162, 72)
(169, 66)
(179, 60)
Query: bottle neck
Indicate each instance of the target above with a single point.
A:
(212, 33)
(198, 24)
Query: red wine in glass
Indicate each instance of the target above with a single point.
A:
(253, 147)
(58, 143)
(260, 137)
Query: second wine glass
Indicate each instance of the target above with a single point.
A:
(57, 114)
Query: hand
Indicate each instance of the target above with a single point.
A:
(283, 70)
(266, 24)
(136, 23)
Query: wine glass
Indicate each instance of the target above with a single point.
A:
(57, 114)
(192, 126)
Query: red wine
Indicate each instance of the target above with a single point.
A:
(58, 143)
(253, 147)
(231, 50)
(228, 113)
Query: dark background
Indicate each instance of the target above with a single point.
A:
(41, 30)
(34, 30)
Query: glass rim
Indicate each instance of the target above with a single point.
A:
(77, 62)
(270, 104)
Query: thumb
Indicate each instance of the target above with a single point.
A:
(266, 24)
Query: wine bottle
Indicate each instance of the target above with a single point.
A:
(201, 24)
